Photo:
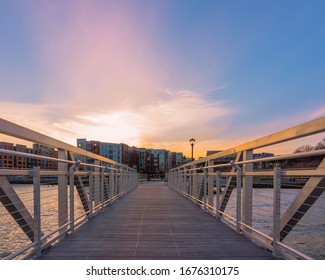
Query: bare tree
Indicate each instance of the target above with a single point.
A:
(304, 148)
(321, 145)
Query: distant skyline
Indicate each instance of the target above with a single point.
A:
(157, 73)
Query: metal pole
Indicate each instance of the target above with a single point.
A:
(63, 191)
(238, 208)
(71, 188)
(91, 194)
(238, 198)
(190, 183)
(205, 187)
(276, 210)
(102, 181)
(37, 209)
(217, 205)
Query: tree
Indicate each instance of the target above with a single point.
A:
(320, 145)
(304, 148)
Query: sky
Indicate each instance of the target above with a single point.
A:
(155, 73)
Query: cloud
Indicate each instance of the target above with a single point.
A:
(182, 114)
(105, 77)
(172, 118)
(217, 88)
(319, 112)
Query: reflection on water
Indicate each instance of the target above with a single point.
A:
(12, 237)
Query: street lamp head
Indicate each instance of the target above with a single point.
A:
(192, 141)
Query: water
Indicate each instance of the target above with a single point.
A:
(12, 237)
(308, 236)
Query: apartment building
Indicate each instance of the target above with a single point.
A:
(7, 161)
(21, 162)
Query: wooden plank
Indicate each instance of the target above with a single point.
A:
(154, 222)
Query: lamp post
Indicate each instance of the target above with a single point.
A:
(192, 141)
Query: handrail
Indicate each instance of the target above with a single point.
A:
(14, 130)
(77, 195)
(202, 185)
(303, 130)
(266, 159)
(28, 155)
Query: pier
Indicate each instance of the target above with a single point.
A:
(154, 222)
(205, 210)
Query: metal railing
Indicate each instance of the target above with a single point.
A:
(281, 207)
(38, 207)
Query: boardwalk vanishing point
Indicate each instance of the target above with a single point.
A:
(155, 222)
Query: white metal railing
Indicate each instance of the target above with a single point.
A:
(46, 205)
(286, 216)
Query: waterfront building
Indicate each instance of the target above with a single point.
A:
(48, 152)
(125, 153)
(145, 162)
(133, 157)
(21, 162)
(111, 151)
(160, 160)
(175, 159)
(7, 161)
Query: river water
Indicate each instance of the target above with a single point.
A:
(308, 236)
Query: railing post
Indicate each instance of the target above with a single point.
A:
(62, 190)
(190, 183)
(205, 187)
(276, 210)
(121, 181)
(91, 195)
(238, 215)
(210, 187)
(71, 188)
(247, 211)
(116, 176)
(180, 186)
(102, 182)
(110, 183)
(97, 184)
(117, 182)
(126, 180)
(196, 187)
(37, 210)
(238, 197)
(217, 199)
(179, 181)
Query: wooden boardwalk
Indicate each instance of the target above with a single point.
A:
(154, 222)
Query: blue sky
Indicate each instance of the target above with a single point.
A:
(157, 73)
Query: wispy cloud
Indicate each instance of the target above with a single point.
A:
(319, 112)
(217, 88)
(182, 114)
(172, 118)
(105, 79)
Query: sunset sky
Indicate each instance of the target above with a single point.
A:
(155, 73)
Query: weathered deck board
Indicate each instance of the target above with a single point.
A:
(154, 222)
